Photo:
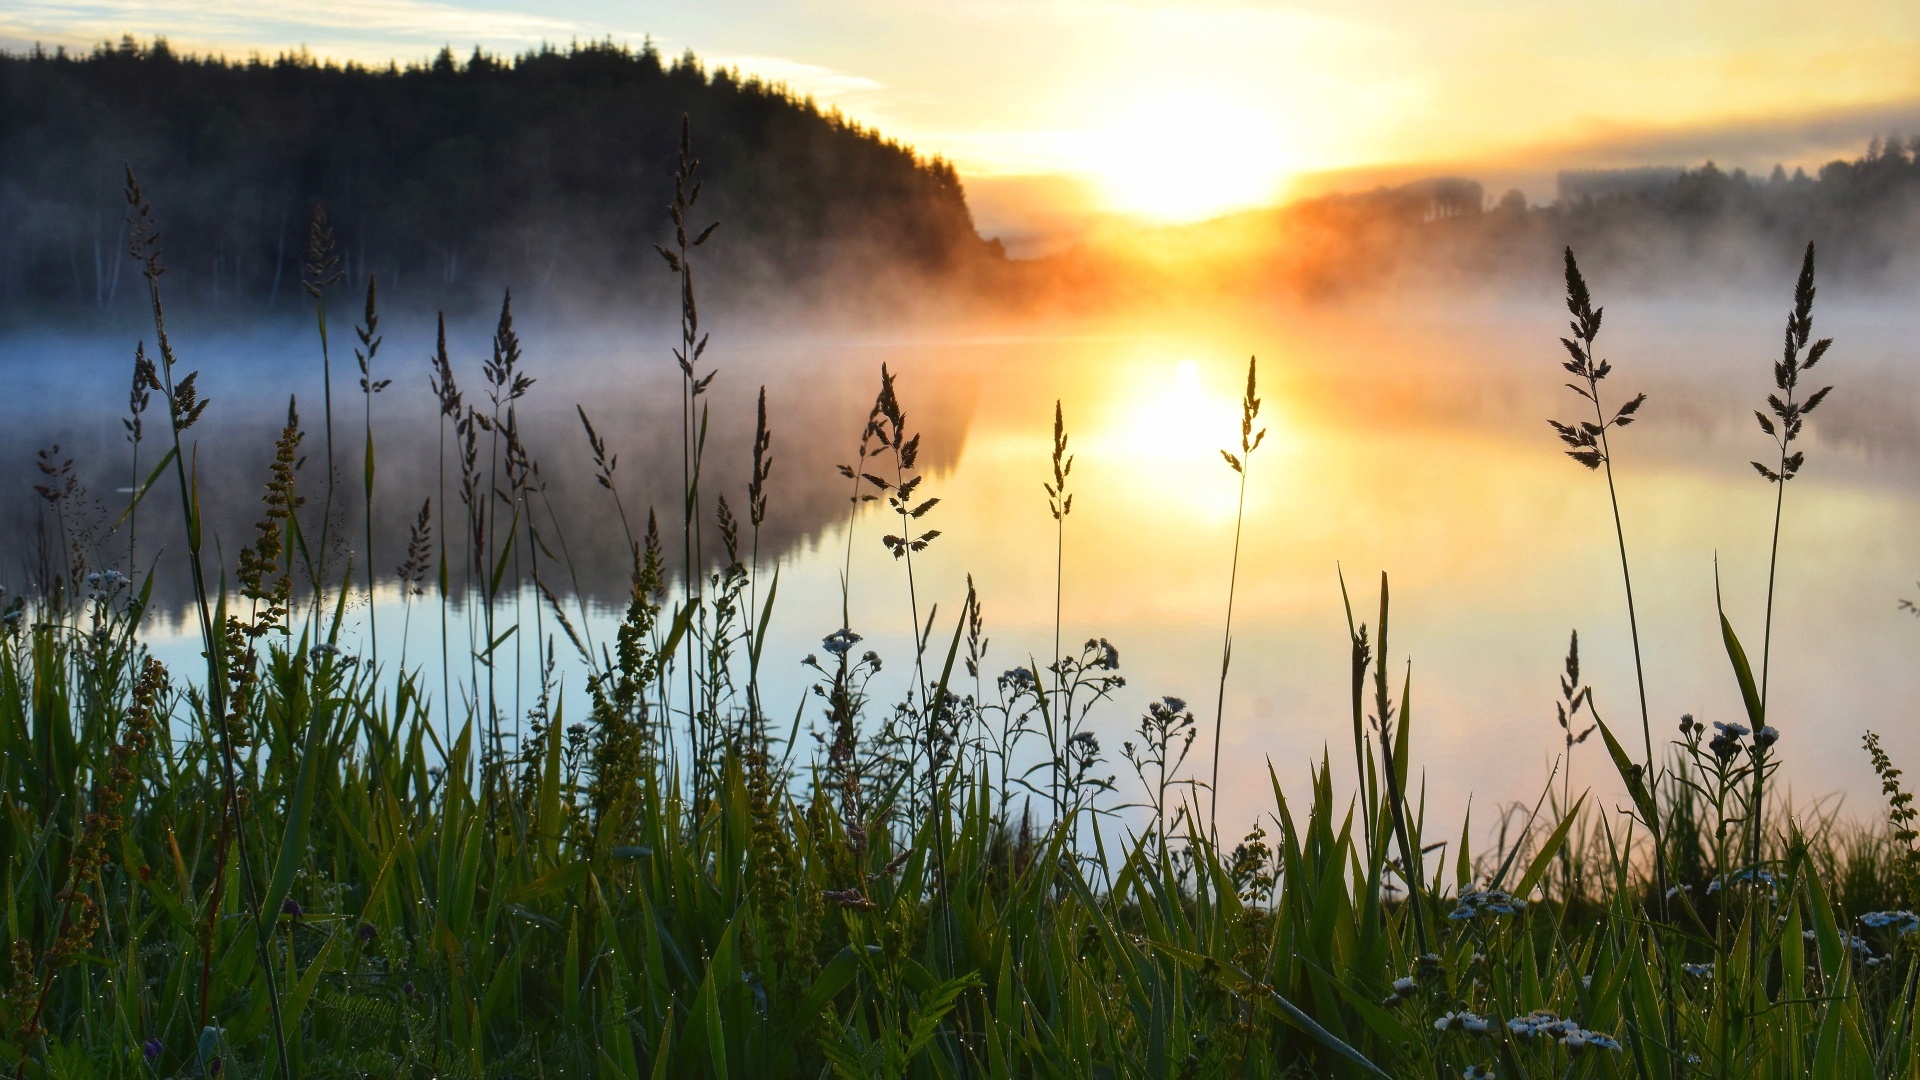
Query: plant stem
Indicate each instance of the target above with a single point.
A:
(1226, 656)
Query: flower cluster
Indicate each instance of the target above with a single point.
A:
(840, 642)
(1726, 742)
(1901, 922)
(1404, 987)
(102, 582)
(1471, 1023)
(1749, 876)
(1543, 1024)
(1018, 680)
(1491, 901)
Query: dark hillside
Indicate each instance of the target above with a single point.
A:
(448, 181)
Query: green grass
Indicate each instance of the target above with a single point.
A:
(298, 860)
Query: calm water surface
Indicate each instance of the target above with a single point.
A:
(1401, 439)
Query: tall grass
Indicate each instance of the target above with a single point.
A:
(299, 863)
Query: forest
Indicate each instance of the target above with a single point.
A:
(550, 172)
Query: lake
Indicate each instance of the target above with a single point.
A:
(1400, 437)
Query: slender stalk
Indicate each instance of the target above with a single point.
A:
(1249, 441)
(1590, 447)
(183, 409)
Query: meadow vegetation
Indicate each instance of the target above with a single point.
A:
(306, 860)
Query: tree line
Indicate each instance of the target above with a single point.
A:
(449, 180)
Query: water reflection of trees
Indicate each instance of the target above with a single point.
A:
(817, 402)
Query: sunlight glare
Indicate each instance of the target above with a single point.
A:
(1186, 155)
(1165, 433)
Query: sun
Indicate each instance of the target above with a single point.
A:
(1185, 155)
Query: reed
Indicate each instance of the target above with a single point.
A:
(1250, 441)
(294, 863)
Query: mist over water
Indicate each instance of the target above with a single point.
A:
(1402, 437)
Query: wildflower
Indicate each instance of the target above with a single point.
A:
(1765, 737)
(291, 908)
(367, 932)
(840, 641)
(1106, 656)
(1492, 901)
(152, 1048)
(1727, 743)
(1688, 726)
(1575, 1038)
(102, 582)
(1698, 971)
(1902, 922)
(323, 650)
(1017, 680)
(1471, 1023)
(1403, 988)
(1477, 1072)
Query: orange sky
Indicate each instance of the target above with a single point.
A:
(1182, 110)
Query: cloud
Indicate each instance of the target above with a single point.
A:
(344, 29)
(810, 80)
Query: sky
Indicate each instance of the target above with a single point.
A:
(1183, 110)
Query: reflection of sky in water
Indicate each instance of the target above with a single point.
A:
(1401, 440)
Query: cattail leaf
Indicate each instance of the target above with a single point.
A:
(1544, 857)
(140, 494)
(1743, 674)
